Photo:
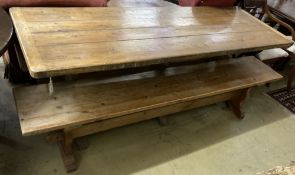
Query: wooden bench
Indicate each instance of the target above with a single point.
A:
(76, 110)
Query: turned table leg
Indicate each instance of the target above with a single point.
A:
(237, 101)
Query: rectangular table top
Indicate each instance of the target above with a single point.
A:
(61, 41)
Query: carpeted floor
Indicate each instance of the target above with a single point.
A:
(284, 97)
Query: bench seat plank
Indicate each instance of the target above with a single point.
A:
(72, 106)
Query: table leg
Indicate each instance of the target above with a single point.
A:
(237, 101)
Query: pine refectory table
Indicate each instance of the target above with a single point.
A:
(77, 41)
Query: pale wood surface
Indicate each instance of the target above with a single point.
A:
(139, 3)
(60, 41)
(75, 105)
(104, 125)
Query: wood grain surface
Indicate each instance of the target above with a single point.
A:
(61, 41)
(139, 3)
(74, 105)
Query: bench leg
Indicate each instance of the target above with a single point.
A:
(65, 145)
(236, 103)
(163, 121)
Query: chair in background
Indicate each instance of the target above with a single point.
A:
(213, 3)
(259, 9)
(254, 7)
(270, 57)
(273, 56)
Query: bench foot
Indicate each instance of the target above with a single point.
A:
(236, 103)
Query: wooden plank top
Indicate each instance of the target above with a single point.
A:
(139, 3)
(61, 41)
(77, 104)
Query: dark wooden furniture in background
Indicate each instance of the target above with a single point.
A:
(283, 8)
(6, 30)
(277, 57)
(283, 13)
(254, 7)
(15, 67)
